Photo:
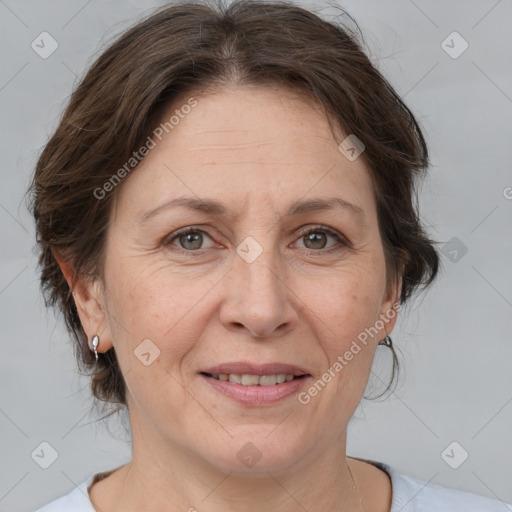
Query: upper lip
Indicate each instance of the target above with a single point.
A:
(240, 368)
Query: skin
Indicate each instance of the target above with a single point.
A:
(256, 150)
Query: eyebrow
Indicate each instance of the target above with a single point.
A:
(212, 207)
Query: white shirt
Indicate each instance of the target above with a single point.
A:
(409, 495)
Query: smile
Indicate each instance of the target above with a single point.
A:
(247, 379)
(256, 390)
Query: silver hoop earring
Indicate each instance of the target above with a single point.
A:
(387, 341)
(95, 343)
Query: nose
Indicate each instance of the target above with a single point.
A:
(257, 299)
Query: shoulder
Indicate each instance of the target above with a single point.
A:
(413, 495)
(75, 501)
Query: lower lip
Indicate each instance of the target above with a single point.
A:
(257, 395)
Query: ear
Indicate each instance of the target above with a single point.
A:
(88, 295)
(390, 307)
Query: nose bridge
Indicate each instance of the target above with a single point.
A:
(258, 268)
(258, 298)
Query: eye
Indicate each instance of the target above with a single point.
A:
(315, 238)
(189, 239)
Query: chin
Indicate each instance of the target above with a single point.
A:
(257, 454)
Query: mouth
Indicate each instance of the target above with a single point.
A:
(256, 385)
(248, 379)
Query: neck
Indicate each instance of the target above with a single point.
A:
(171, 479)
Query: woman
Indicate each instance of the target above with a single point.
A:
(226, 219)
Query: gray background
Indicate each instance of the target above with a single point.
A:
(456, 383)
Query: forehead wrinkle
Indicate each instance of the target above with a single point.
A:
(195, 147)
(216, 208)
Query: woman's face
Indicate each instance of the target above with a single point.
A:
(246, 287)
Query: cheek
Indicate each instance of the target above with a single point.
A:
(349, 304)
(353, 318)
(150, 302)
(343, 313)
(349, 314)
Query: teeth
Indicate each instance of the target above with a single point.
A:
(247, 379)
(268, 380)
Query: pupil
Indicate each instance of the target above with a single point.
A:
(316, 239)
(191, 237)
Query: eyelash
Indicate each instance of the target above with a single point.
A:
(316, 229)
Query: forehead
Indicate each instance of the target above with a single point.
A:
(255, 121)
(247, 145)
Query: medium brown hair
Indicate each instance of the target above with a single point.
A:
(187, 46)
